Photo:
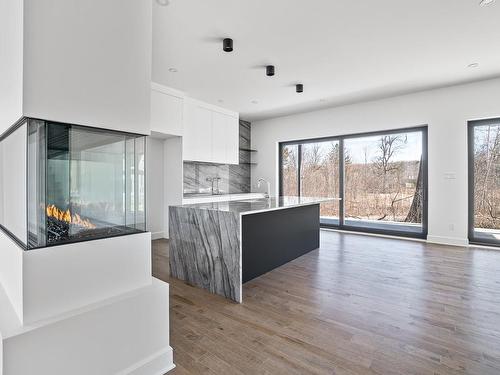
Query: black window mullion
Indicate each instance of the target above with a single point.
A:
(341, 182)
(299, 169)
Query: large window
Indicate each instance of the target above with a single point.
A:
(381, 178)
(484, 182)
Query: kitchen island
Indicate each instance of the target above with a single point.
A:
(219, 246)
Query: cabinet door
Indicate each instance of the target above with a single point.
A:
(189, 139)
(219, 137)
(232, 140)
(166, 113)
(203, 130)
(197, 140)
(225, 146)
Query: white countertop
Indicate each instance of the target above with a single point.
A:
(251, 206)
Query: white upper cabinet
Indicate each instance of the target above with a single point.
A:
(167, 110)
(225, 138)
(211, 134)
(218, 135)
(197, 140)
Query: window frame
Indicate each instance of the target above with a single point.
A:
(341, 138)
(471, 125)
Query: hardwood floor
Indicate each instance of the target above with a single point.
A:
(358, 305)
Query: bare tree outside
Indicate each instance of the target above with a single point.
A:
(290, 168)
(320, 174)
(383, 177)
(487, 179)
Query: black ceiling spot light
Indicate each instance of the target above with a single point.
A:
(270, 70)
(227, 45)
(299, 88)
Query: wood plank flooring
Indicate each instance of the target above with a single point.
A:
(357, 305)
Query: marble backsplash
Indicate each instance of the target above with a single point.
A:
(234, 179)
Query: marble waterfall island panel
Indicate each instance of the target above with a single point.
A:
(205, 250)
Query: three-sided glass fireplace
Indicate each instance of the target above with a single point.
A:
(82, 184)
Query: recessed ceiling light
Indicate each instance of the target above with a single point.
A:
(484, 3)
(270, 70)
(473, 65)
(299, 88)
(163, 3)
(172, 70)
(255, 102)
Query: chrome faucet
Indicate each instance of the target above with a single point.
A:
(217, 179)
(259, 184)
(212, 180)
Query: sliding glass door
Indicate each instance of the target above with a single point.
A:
(383, 182)
(311, 169)
(319, 171)
(381, 178)
(484, 182)
(289, 167)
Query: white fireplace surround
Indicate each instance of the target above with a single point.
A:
(54, 280)
(68, 299)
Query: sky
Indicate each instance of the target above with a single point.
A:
(357, 147)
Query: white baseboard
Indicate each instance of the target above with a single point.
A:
(440, 240)
(451, 241)
(374, 234)
(157, 235)
(157, 364)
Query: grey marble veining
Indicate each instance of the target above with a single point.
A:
(258, 205)
(205, 250)
(234, 178)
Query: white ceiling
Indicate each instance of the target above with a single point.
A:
(343, 51)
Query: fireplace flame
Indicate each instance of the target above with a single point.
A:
(68, 217)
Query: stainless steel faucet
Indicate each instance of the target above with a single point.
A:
(212, 180)
(259, 184)
(217, 179)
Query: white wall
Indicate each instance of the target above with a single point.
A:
(445, 111)
(174, 175)
(11, 62)
(88, 62)
(155, 187)
(11, 273)
(165, 182)
(59, 279)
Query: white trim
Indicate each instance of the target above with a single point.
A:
(150, 359)
(438, 240)
(451, 241)
(212, 107)
(484, 247)
(157, 235)
(168, 90)
(165, 370)
(375, 235)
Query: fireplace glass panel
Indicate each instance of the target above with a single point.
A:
(85, 183)
(13, 183)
